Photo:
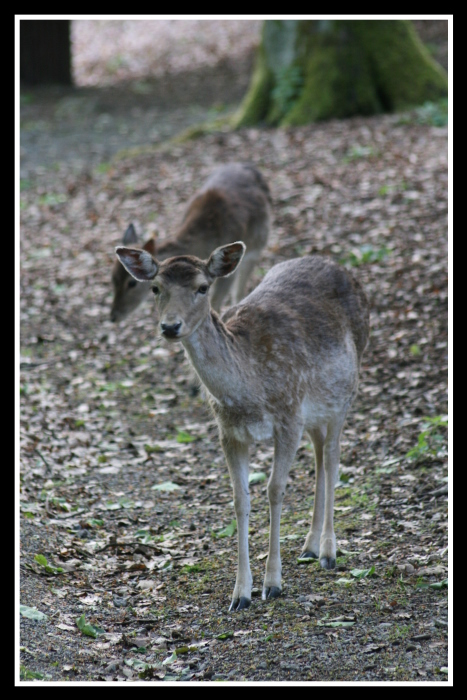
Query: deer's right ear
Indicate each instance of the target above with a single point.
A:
(130, 236)
(138, 263)
(225, 260)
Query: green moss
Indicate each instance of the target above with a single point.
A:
(338, 81)
(315, 70)
(199, 130)
(288, 88)
(256, 103)
(255, 106)
(404, 72)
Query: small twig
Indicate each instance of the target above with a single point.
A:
(128, 544)
(139, 621)
(34, 365)
(83, 552)
(442, 491)
(215, 503)
(48, 468)
(73, 514)
(49, 512)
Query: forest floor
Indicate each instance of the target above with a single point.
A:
(127, 528)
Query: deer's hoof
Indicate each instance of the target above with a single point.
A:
(271, 592)
(239, 604)
(327, 562)
(308, 555)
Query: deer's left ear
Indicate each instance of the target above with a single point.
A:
(130, 236)
(225, 260)
(150, 246)
(138, 263)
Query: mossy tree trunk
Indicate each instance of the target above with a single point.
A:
(310, 70)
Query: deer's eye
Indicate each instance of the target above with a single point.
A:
(203, 289)
(155, 290)
(132, 283)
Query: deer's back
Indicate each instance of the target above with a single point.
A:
(306, 307)
(240, 178)
(233, 204)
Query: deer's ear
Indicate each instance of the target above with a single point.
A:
(150, 246)
(138, 263)
(225, 260)
(130, 236)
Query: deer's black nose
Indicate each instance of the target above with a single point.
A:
(170, 330)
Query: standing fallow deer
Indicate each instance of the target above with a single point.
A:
(234, 203)
(283, 361)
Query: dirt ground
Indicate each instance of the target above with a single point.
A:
(127, 531)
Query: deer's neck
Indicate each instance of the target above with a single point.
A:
(218, 358)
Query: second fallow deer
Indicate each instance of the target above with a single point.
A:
(283, 361)
(234, 203)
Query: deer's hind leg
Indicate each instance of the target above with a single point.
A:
(332, 451)
(321, 540)
(311, 546)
